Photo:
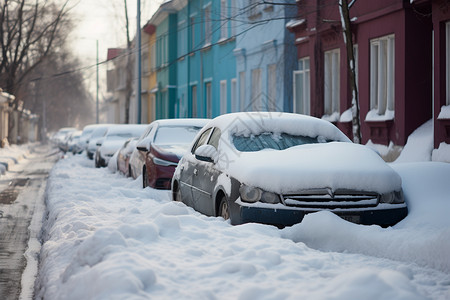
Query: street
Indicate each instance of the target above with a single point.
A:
(21, 202)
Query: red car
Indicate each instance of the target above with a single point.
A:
(123, 156)
(160, 148)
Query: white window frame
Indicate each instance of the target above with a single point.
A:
(256, 96)
(331, 82)
(234, 102)
(208, 99)
(182, 35)
(194, 100)
(242, 89)
(302, 98)
(382, 74)
(272, 87)
(223, 97)
(223, 20)
(207, 24)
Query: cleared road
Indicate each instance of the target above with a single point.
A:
(22, 192)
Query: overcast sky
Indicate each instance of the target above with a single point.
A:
(103, 21)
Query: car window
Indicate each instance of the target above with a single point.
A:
(146, 133)
(215, 137)
(273, 141)
(175, 135)
(201, 140)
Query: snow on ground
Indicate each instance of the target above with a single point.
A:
(107, 238)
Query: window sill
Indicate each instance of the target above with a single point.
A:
(206, 47)
(226, 40)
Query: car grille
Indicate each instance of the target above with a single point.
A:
(327, 199)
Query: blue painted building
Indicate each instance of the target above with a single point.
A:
(265, 56)
(220, 56)
(206, 64)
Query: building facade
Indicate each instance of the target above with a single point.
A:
(400, 48)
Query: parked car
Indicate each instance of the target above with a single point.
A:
(274, 168)
(97, 133)
(60, 136)
(71, 139)
(160, 148)
(114, 138)
(123, 156)
(84, 138)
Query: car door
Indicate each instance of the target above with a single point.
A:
(188, 170)
(137, 158)
(205, 179)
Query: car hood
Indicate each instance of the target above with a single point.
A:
(178, 150)
(315, 166)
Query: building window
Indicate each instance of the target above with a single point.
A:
(192, 26)
(242, 90)
(331, 82)
(223, 97)
(208, 98)
(256, 90)
(302, 87)
(223, 19)
(153, 57)
(382, 75)
(272, 87)
(253, 9)
(234, 104)
(447, 62)
(194, 101)
(182, 32)
(207, 12)
(234, 12)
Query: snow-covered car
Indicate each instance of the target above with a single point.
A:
(83, 141)
(274, 168)
(123, 156)
(160, 148)
(114, 138)
(97, 133)
(60, 136)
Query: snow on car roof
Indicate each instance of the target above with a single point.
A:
(253, 123)
(126, 128)
(183, 121)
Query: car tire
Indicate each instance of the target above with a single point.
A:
(144, 178)
(177, 195)
(224, 210)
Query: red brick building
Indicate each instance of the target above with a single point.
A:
(401, 48)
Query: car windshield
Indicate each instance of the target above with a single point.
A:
(273, 141)
(174, 135)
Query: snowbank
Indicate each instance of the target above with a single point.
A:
(107, 238)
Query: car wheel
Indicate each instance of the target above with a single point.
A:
(177, 195)
(224, 210)
(144, 178)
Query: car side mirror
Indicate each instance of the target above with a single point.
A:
(99, 142)
(143, 145)
(206, 153)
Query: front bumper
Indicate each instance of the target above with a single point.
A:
(289, 217)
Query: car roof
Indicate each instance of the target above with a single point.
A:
(182, 121)
(254, 123)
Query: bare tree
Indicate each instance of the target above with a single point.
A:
(344, 9)
(28, 32)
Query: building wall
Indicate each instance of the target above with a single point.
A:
(410, 28)
(441, 15)
(258, 47)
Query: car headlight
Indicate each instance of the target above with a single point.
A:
(395, 197)
(162, 162)
(252, 195)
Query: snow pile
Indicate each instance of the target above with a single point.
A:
(419, 145)
(107, 238)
